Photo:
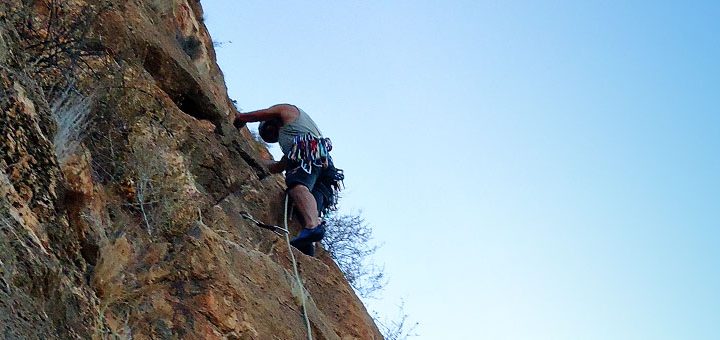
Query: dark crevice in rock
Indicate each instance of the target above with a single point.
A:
(211, 177)
(184, 90)
(72, 203)
(192, 104)
(259, 169)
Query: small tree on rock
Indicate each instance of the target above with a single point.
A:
(347, 240)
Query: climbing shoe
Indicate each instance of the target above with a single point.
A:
(307, 249)
(308, 236)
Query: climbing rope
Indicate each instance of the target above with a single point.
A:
(297, 274)
(278, 230)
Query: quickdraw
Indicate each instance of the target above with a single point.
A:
(273, 228)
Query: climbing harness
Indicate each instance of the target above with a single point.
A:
(284, 231)
(310, 151)
(273, 228)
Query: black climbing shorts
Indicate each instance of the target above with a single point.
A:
(295, 175)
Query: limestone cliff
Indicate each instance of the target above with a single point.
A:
(121, 183)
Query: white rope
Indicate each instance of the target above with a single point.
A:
(297, 274)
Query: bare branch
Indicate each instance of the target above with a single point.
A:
(348, 242)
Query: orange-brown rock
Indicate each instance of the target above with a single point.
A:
(137, 233)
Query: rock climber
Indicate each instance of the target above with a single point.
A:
(311, 178)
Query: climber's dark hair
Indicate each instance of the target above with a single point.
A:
(269, 130)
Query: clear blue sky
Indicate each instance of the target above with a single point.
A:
(534, 169)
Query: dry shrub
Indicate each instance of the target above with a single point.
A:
(348, 242)
(70, 110)
(399, 328)
(49, 47)
(164, 189)
(50, 40)
(190, 44)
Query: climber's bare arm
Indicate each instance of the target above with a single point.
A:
(276, 167)
(285, 112)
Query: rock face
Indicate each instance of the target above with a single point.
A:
(121, 184)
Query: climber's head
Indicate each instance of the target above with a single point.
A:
(269, 130)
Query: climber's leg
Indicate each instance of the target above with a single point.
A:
(306, 205)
